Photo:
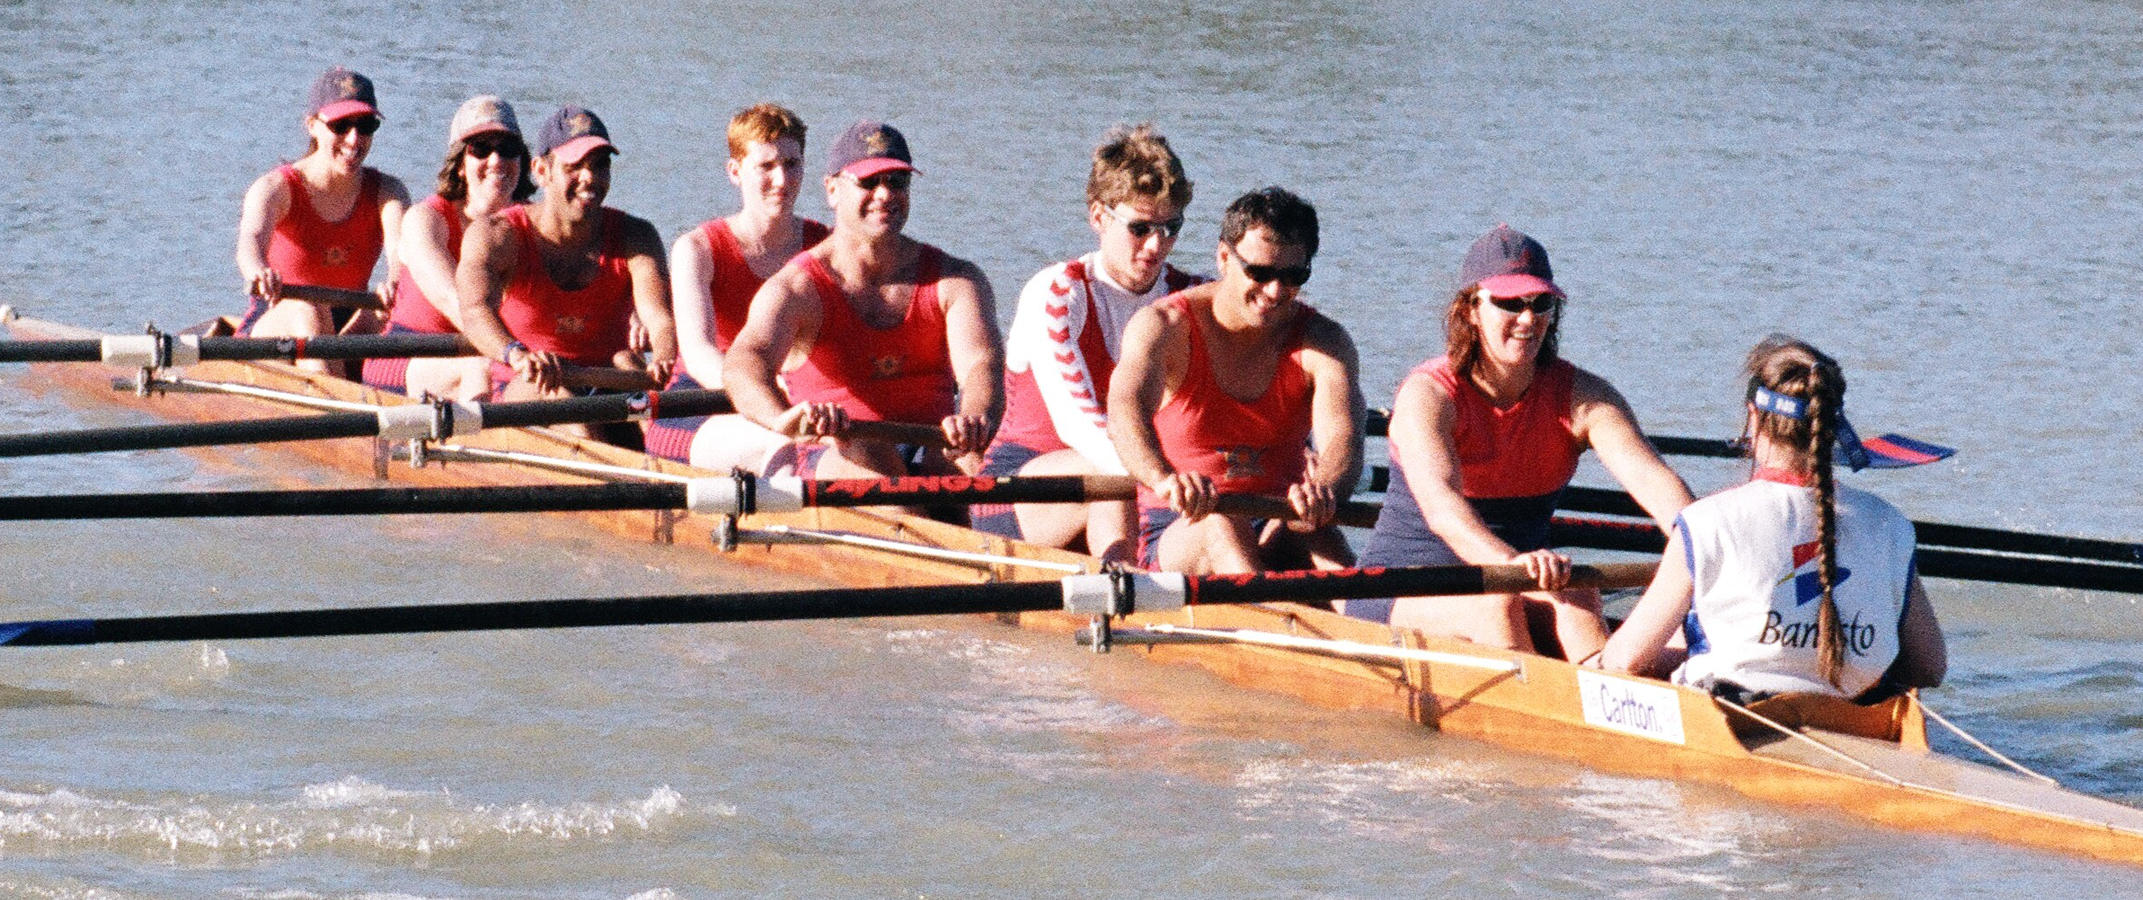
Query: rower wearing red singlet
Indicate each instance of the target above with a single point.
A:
(323, 220)
(486, 170)
(1227, 388)
(717, 268)
(1483, 441)
(1066, 336)
(552, 286)
(870, 325)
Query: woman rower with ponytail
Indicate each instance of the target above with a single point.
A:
(1792, 582)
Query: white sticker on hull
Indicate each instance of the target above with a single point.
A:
(1631, 707)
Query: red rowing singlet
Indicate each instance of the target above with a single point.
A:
(413, 310)
(732, 283)
(587, 326)
(1525, 449)
(898, 374)
(307, 249)
(1246, 448)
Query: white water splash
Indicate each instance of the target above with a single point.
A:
(350, 813)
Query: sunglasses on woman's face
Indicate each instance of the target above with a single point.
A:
(480, 149)
(1540, 304)
(365, 125)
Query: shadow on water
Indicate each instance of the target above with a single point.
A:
(12, 697)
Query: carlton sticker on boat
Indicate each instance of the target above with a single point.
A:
(1631, 707)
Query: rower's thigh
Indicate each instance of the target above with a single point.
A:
(294, 318)
(1058, 524)
(1214, 545)
(1495, 620)
(731, 442)
(860, 459)
(455, 378)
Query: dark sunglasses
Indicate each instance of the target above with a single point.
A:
(482, 149)
(365, 125)
(896, 180)
(1291, 276)
(1142, 229)
(1540, 304)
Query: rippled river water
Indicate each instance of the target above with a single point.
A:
(1941, 195)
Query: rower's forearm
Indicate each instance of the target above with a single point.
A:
(1342, 472)
(485, 331)
(1140, 450)
(754, 395)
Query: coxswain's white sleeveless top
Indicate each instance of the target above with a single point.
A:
(1752, 558)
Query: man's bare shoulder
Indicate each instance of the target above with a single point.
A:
(638, 234)
(950, 266)
(1325, 332)
(1181, 307)
(788, 282)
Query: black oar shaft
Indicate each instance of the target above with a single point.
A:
(1930, 534)
(191, 434)
(958, 599)
(1933, 562)
(89, 350)
(1378, 424)
(327, 426)
(606, 408)
(574, 613)
(1971, 536)
(335, 346)
(1940, 562)
(1403, 582)
(347, 502)
(347, 346)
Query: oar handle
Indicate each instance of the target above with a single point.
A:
(605, 378)
(1375, 581)
(341, 346)
(331, 296)
(899, 433)
(1350, 512)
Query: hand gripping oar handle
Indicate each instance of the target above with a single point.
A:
(1102, 594)
(403, 422)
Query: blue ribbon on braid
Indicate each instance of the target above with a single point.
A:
(1849, 451)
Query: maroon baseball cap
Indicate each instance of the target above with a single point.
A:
(571, 134)
(1506, 263)
(339, 94)
(868, 148)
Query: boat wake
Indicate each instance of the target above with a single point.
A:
(349, 816)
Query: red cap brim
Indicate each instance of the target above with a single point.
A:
(1518, 284)
(343, 109)
(485, 128)
(865, 168)
(575, 150)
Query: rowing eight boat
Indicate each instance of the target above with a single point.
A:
(1872, 762)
